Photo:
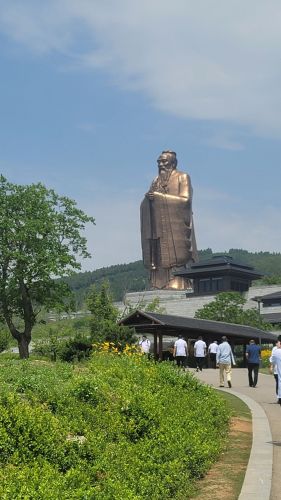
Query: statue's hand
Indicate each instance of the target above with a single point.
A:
(150, 195)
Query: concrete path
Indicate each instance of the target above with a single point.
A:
(262, 480)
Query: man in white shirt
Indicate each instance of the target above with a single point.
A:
(213, 349)
(144, 344)
(273, 368)
(276, 361)
(181, 352)
(200, 351)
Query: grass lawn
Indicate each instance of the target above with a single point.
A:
(225, 478)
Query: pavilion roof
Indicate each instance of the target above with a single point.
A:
(269, 296)
(167, 324)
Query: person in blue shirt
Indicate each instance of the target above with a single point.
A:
(253, 355)
(224, 360)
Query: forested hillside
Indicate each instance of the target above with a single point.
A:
(122, 278)
(133, 277)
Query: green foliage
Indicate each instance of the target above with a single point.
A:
(123, 278)
(133, 277)
(100, 303)
(153, 306)
(76, 349)
(49, 347)
(63, 328)
(4, 338)
(119, 335)
(269, 280)
(39, 239)
(28, 432)
(123, 428)
(67, 340)
(104, 327)
(228, 307)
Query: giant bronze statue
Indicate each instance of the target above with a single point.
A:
(167, 233)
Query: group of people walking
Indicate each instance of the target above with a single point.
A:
(221, 356)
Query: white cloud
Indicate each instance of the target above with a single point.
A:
(203, 60)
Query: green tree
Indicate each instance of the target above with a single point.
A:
(100, 303)
(228, 307)
(104, 324)
(39, 241)
(153, 306)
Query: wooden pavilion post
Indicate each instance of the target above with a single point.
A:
(155, 346)
(160, 337)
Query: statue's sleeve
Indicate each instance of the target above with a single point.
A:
(185, 188)
(146, 231)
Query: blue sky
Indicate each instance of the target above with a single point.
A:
(91, 92)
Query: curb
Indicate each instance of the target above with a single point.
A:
(258, 477)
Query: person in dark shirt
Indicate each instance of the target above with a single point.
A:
(253, 355)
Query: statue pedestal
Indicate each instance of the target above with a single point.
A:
(171, 301)
(174, 302)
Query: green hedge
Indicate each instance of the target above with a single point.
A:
(122, 427)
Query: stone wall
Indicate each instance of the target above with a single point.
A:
(178, 303)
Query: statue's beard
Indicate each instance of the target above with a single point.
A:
(164, 176)
(160, 184)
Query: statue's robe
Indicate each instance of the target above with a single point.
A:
(168, 240)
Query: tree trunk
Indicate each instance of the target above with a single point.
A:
(23, 344)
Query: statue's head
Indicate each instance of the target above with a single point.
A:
(167, 161)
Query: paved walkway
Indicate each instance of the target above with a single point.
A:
(263, 478)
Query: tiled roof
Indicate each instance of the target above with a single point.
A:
(275, 295)
(170, 323)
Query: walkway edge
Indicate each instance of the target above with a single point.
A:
(258, 477)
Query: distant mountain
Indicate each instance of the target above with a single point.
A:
(133, 277)
(123, 278)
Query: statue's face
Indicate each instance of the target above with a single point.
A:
(164, 163)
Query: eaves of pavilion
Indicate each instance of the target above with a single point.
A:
(160, 325)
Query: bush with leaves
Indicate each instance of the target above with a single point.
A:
(94, 433)
(77, 349)
(4, 338)
(49, 347)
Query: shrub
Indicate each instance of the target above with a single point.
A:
(87, 389)
(110, 331)
(49, 347)
(119, 427)
(5, 338)
(73, 349)
(28, 432)
(78, 348)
